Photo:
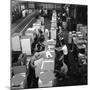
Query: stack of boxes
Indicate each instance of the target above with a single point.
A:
(78, 27)
(23, 42)
(70, 38)
(28, 38)
(53, 25)
(44, 70)
(30, 32)
(80, 39)
(46, 65)
(46, 34)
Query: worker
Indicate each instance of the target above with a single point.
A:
(40, 46)
(23, 13)
(31, 77)
(45, 12)
(41, 19)
(65, 51)
(61, 71)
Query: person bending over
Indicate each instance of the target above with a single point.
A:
(65, 51)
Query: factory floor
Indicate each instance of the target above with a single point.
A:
(74, 77)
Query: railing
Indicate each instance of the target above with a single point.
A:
(25, 23)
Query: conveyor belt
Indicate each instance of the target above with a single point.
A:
(24, 24)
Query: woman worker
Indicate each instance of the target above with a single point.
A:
(62, 69)
(32, 81)
(65, 51)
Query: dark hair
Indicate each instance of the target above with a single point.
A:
(37, 16)
(63, 42)
(41, 39)
(60, 63)
(40, 14)
(40, 31)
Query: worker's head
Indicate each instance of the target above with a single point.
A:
(60, 63)
(37, 17)
(62, 41)
(40, 31)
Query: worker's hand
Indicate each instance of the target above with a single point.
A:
(57, 49)
(37, 55)
(61, 58)
(35, 66)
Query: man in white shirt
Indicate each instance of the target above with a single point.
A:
(65, 51)
(63, 47)
(42, 20)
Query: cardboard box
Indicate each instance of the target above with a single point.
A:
(15, 41)
(26, 44)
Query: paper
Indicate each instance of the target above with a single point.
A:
(47, 65)
(29, 33)
(51, 47)
(38, 63)
(48, 54)
(26, 46)
(16, 43)
(30, 29)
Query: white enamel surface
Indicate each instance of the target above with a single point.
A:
(16, 43)
(26, 46)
